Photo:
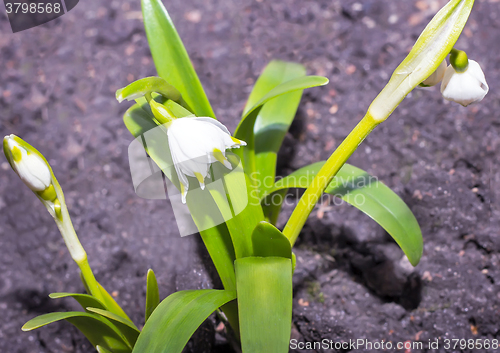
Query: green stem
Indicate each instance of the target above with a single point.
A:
(325, 176)
(89, 278)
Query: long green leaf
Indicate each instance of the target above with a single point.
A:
(126, 327)
(240, 208)
(84, 300)
(102, 350)
(264, 286)
(97, 330)
(371, 196)
(177, 317)
(245, 129)
(171, 58)
(274, 118)
(152, 294)
(268, 241)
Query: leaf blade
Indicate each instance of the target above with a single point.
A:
(264, 286)
(275, 117)
(268, 241)
(97, 331)
(171, 58)
(126, 327)
(177, 318)
(370, 196)
(84, 300)
(152, 294)
(245, 129)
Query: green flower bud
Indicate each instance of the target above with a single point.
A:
(161, 112)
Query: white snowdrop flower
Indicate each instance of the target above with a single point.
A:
(30, 167)
(436, 76)
(464, 87)
(195, 143)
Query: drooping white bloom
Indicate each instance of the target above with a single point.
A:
(195, 143)
(436, 76)
(464, 87)
(30, 167)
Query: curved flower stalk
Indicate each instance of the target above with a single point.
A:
(36, 173)
(466, 87)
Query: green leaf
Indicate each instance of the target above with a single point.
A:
(84, 300)
(126, 327)
(152, 294)
(274, 118)
(264, 286)
(371, 196)
(245, 129)
(171, 58)
(147, 85)
(138, 120)
(102, 350)
(177, 317)
(240, 209)
(269, 241)
(97, 330)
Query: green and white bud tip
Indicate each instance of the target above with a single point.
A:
(28, 163)
(431, 48)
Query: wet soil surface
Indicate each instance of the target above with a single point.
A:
(57, 86)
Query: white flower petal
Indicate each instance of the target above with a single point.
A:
(437, 76)
(213, 122)
(195, 143)
(465, 87)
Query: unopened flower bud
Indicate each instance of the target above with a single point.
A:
(161, 113)
(27, 163)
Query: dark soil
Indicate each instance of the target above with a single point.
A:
(57, 86)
